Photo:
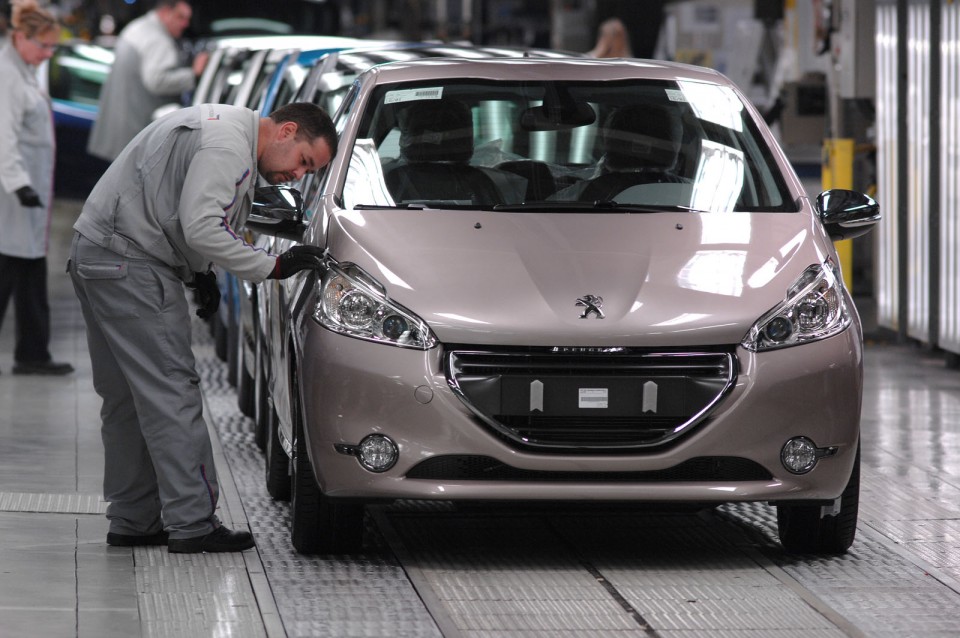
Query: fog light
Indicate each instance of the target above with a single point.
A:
(799, 455)
(377, 453)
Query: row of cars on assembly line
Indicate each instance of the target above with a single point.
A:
(549, 278)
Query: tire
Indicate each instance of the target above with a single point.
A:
(261, 403)
(278, 464)
(233, 349)
(246, 397)
(219, 337)
(318, 524)
(804, 529)
(245, 385)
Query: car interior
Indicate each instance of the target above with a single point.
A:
(482, 144)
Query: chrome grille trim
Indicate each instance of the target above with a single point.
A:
(718, 366)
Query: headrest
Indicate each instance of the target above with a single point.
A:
(641, 136)
(436, 131)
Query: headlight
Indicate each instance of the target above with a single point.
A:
(813, 309)
(353, 303)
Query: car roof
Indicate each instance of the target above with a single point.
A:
(349, 63)
(529, 68)
(362, 58)
(289, 42)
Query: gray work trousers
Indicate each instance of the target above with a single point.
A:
(158, 459)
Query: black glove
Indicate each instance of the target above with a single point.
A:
(208, 294)
(296, 259)
(28, 197)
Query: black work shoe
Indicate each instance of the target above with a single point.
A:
(134, 540)
(219, 540)
(42, 367)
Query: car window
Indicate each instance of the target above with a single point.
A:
(228, 77)
(77, 73)
(468, 143)
(292, 78)
(313, 183)
(260, 86)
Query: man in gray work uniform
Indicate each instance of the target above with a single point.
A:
(168, 206)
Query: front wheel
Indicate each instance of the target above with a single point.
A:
(806, 529)
(318, 524)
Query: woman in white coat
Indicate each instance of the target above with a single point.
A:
(26, 177)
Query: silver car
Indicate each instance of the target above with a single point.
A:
(323, 81)
(565, 280)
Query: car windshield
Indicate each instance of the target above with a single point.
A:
(565, 146)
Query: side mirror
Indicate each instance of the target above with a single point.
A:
(847, 214)
(277, 211)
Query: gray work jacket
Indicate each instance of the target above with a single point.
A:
(179, 190)
(26, 159)
(146, 74)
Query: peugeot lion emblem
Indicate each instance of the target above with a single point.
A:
(591, 304)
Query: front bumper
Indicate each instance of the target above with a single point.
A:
(353, 388)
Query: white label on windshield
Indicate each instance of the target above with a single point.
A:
(676, 95)
(593, 397)
(409, 95)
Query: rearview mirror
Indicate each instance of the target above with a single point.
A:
(847, 214)
(557, 117)
(277, 211)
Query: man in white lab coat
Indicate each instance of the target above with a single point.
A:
(145, 75)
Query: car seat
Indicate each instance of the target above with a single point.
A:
(639, 145)
(436, 144)
(540, 182)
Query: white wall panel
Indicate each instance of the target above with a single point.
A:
(886, 261)
(918, 172)
(949, 318)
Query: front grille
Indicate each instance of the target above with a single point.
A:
(484, 468)
(598, 399)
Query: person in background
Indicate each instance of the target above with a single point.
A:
(167, 209)
(146, 74)
(3, 25)
(26, 175)
(613, 41)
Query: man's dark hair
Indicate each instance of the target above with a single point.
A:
(170, 3)
(312, 121)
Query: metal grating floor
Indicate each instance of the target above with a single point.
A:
(444, 569)
(438, 568)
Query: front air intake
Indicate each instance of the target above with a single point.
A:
(593, 399)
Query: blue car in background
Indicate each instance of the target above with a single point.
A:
(73, 77)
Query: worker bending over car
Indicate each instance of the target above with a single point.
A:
(167, 210)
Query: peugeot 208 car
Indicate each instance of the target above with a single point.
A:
(565, 280)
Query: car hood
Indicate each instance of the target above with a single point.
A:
(665, 279)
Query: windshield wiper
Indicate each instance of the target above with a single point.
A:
(647, 208)
(535, 206)
(384, 206)
(603, 204)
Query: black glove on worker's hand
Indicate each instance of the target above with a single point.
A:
(28, 197)
(208, 294)
(296, 259)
